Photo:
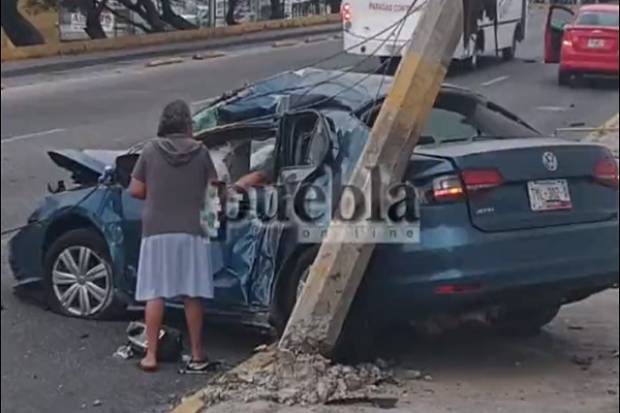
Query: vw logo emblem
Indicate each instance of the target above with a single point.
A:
(550, 161)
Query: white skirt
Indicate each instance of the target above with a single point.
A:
(177, 265)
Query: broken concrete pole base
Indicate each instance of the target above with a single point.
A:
(296, 379)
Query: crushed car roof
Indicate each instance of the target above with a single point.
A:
(310, 88)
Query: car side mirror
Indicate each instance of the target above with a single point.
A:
(108, 176)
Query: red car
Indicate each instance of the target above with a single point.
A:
(585, 42)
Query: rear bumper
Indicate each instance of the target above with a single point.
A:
(559, 264)
(359, 45)
(584, 62)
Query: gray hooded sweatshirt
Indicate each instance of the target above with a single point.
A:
(176, 170)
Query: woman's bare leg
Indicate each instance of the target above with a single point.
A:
(153, 315)
(194, 314)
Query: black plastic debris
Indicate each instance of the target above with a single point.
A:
(381, 402)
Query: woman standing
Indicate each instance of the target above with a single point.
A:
(172, 175)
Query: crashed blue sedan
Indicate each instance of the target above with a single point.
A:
(511, 224)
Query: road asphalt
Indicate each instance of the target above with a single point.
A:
(54, 364)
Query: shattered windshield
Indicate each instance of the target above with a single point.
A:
(205, 119)
(466, 119)
(301, 89)
(458, 117)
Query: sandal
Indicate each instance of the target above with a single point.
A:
(199, 367)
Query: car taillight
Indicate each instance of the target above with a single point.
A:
(568, 40)
(346, 14)
(450, 188)
(606, 172)
(479, 179)
(457, 289)
(447, 188)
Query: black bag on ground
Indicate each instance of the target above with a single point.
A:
(170, 341)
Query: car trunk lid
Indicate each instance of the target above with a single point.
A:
(537, 182)
(593, 40)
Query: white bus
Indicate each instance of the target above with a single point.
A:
(363, 19)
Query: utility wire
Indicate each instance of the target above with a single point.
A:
(394, 27)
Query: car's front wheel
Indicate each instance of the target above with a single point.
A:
(357, 338)
(524, 321)
(79, 279)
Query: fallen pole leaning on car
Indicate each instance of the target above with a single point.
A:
(320, 312)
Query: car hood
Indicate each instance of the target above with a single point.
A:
(87, 162)
(86, 166)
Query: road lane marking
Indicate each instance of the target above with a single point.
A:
(552, 108)
(495, 81)
(31, 135)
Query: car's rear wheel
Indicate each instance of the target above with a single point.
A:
(79, 278)
(509, 53)
(357, 338)
(564, 78)
(524, 321)
(472, 62)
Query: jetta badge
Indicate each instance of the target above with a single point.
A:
(550, 161)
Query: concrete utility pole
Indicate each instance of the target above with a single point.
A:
(319, 314)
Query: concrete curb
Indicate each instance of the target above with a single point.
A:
(316, 39)
(209, 55)
(165, 62)
(191, 404)
(285, 43)
(60, 63)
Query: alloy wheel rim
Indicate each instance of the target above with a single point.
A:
(81, 281)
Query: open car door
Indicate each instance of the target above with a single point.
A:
(557, 19)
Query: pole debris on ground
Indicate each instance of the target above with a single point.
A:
(320, 312)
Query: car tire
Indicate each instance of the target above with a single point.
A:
(509, 53)
(291, 289)
(524, 322)
(358, 335)
(79, 281)
(564, 78)
(471, 63)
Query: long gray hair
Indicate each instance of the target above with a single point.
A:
(176, 118)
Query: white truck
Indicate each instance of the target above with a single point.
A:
(363, 20)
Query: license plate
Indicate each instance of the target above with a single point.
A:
(549, 195)
(596, 43)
